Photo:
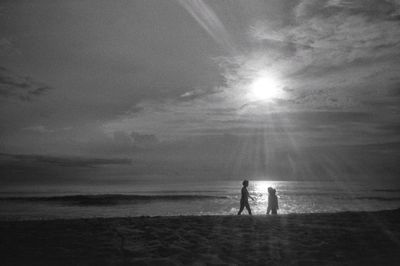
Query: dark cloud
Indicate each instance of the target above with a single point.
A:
(225, 156)
(134, 139)
(120, 143)
(228, 156)
(40, 170)
(144, 139)
(375, 9)
(60, 161)
(121, 137)
(20, 87)
(391, 128)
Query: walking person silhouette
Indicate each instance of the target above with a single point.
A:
(244, 200)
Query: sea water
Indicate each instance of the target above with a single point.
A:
(157, 198)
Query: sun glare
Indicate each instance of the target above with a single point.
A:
(265, 88)
(262, 186)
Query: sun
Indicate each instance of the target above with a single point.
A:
(265, 88)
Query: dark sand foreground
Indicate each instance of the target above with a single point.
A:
(307, 239)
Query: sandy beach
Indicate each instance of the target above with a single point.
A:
(349, 238)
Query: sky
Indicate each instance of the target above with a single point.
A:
(115, 91)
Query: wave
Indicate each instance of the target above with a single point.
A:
(109, 199)
(379, 198)
(387, 190)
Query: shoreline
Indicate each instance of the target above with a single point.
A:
(6, 220)
(353, 238)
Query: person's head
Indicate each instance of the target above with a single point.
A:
(245, 183)
(274, 191)
(270, 189)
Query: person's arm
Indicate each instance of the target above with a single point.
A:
(249, 195)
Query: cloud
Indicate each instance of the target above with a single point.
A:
(307, 7)
(212, 156)
(119, 141)
(336, 36)
(198, 93)
(134, 139)
(7, 48)
(36, 169)
(20, 87)
(339, 56)
(376, 9)
(335, 55)
(63, 161)
(144, 139)
(39, 128)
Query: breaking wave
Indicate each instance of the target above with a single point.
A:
(109, 199)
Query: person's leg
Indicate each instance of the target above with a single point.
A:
(248, 207)
(268, 210)
(241, 208)
(274, 211)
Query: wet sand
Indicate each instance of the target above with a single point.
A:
(350, 238)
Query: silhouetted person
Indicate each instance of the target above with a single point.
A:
(244, 200)
(272, 201)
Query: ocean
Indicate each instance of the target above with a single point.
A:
(157, 198)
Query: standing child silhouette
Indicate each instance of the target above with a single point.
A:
(272, 201)
(244, 200)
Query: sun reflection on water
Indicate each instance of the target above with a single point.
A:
(259, 191)
(262, 186)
